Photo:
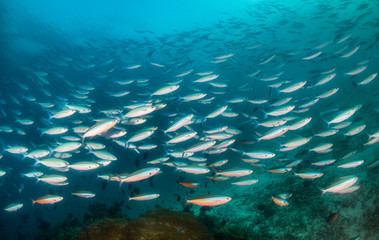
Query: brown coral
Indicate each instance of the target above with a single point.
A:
(110, 229)
(158, 224)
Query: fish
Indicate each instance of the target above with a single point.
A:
(84, 194)
(293, 88)
(332, 217)
(206, 78)
(281, 110)
(48, 199)
(190, 184)
(16, 149)
(209, 200)
(165, 90)
(144, 197)
(312, 56)
(277, 132)
(351, 164)
(325, 80)
(343, 183)
(63, 114)
(344, 115)
(139, 175)
(200, 146)
(217, 112)
(139, 111)
(235, 172)
(328, 93)
(194, 169)
(181, 122)
(356, 71)
(368, 79)
(245, 182)
(13, 207)
(279, 201)
(99, 128)
(67, 147)
(260, 154)
(324, 162)
(309, 175)
(84, 165)
(299, 124)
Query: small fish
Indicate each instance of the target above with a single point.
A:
(235, 172)
(279, 201)
(13, 207)
(48, 199)
(341, 184)
(277, 132)
(144, 197)
(332, 217)
(139, 175)
(190, 184)
(245, 182)
(309, 175)
(351, 164)
(84, 194)
(312, 56)
(84, 165)
(209, 200)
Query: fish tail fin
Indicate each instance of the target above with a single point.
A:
(236, 150)
(42, 132)
(119, 178)
(327, 123)
(187, 201)
(323, 191)
(37, 162)
(264, 113)
(256, 123)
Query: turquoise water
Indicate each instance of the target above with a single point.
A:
(107, 57)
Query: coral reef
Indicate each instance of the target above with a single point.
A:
(108, 228)
(163, 224)
(158, 224)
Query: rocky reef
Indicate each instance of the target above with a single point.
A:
(158, 224)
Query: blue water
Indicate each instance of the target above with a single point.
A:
(90, 44)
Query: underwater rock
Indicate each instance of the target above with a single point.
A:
(108, 228)
(158, 224)
(162, 224)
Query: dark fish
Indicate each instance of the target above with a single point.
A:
(151, 182)
(104, 185)
(145, 155)
(333, 217)
(178, 199)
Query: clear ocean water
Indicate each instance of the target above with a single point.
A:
(281, 98)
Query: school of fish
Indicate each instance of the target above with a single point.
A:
(196, 112)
